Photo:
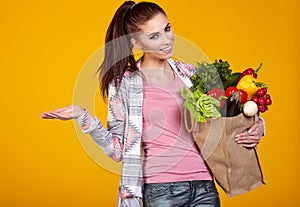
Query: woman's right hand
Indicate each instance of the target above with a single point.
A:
(66, 113)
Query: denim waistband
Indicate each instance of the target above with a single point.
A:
(193, 183)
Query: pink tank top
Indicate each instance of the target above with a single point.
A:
(170, 152)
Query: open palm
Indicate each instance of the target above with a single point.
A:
(66, 113)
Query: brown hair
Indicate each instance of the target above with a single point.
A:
(118, 56)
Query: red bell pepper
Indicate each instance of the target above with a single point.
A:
(250, 71)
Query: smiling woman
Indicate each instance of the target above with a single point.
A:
(161, 165)
(157, 45)
(156, 39)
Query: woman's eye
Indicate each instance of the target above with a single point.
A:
(155, 36)
(168, 28)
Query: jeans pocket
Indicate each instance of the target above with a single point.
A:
(156, 191)
(206, 195)
(210, 187)
(166, 195)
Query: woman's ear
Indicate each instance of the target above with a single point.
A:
(135, 43)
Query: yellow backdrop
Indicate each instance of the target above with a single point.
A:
(44, 46)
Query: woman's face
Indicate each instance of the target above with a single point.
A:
(156, 38)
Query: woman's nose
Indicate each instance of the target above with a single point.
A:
(165, 39)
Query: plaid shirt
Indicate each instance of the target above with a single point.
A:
(122, 138)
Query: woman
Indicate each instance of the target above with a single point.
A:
(145, 112)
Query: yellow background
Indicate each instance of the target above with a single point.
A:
(44, 45)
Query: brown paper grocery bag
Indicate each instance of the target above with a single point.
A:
(236, 169)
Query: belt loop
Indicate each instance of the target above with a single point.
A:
(191, 185)
(206, 186)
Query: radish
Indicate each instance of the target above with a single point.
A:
(250, 108)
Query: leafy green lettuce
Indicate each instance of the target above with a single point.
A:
(202, 107)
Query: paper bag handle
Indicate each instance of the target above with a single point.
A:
(189, 129)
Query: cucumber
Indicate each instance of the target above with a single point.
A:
(233, 80)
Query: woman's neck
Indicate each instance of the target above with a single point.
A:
(154, 64)
(158, 72)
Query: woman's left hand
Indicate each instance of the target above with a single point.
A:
(252, 137)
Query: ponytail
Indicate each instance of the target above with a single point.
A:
(118, 55)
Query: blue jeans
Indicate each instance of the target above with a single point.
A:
(181, 194)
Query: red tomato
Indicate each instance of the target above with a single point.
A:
(216, 93)
(244, 96)
(230, 90)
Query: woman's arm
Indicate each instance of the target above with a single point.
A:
(111, 139)
(109, 143)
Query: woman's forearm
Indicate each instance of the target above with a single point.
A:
(109, 143)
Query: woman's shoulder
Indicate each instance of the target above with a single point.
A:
(182, 65)
(183, 68)
(131, 75)
(127, 79)
(132, 79)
